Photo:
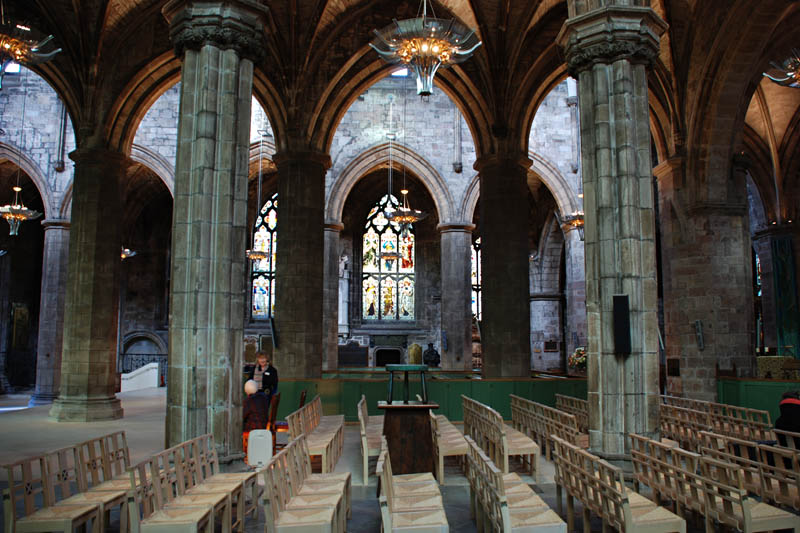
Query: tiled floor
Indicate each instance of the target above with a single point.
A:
(25, 432)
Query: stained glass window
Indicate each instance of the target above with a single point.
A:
(475, 278)
(265, 239)
(387, 286)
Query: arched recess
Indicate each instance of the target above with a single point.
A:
(551, 243)
(378, 156)
(12, 154)
(559, 187)
(157, 163)
(134, 336)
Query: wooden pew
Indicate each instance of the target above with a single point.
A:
(324, 434)
(539, 421)
(371, 429)
(498, 440)
(503, 502)
(601, 488)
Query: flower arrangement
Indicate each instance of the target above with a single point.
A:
(578, 359)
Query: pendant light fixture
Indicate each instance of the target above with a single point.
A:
(258, 254)
(16, 213)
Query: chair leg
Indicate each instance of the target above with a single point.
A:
(587, 523)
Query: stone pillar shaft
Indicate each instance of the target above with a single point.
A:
(217, 41)
(607, 50)
(330, 315)
(51, 329)
(89, 356)
(456, 291)
(300, 264)
(505, 320)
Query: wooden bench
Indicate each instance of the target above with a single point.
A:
(29, 503)
(447, 442)
(725, 419)
(410, 502)
(503, 502)
(324, 434)
(601, 489)
(539, 421)
(302, 462)
(780, 475)
(291, 504)
(577, 407)
(711, 487)
(371, 429)
(498, 440)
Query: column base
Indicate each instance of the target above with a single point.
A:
(86, 410)
(42, 399)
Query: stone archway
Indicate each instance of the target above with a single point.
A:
(14, 155)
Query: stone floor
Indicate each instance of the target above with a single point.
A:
(28, 431)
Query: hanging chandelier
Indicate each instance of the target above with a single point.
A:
(18, 43)
(126, 253)
(576, 220)
(260, 254)
(787, 73)
(425, 44)
(16, 213)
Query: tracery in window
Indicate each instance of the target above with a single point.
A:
(475, 278)
(387, 286)
(265, 239)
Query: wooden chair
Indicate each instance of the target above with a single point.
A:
(447, 442)
(371, 430)
(28, 505)
(273, 425)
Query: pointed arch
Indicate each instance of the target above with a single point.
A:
(12, 154)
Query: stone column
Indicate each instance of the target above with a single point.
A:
(51, 323)
(575, 292)
(299, 271)
(217, 41)
(89, 354)
(707, 273)
(456, 292)
(330, 297)
(505, 320)
(607, 50)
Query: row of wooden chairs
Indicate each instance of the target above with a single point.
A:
(683, 417)
(539, 421)
(371, 430)
(577, 407)
(296, 500)
(67, 488)
(504, 502)
(705, 484)
(486, 427)
(601, 488)
(324, 434)
(409, 502)
(182, 489)
(448, 441)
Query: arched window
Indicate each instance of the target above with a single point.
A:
(265, 239)
(387, 287)
(475, 278)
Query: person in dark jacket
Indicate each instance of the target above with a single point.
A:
(255, 411)
(790, 414)
(265, 375)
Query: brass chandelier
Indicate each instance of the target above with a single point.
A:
(787, 73)
(19, 44)
(425, 44)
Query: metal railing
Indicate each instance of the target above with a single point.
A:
(132, 361)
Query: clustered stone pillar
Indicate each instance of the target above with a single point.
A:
(456, 243)
(217, 41)
(300, 262)
(51, 326)
(608, 49)
(89, 354)
(505, 316)
(330, 316)
(707, 273)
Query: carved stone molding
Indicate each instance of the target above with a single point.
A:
(610, 34)
(227, 24)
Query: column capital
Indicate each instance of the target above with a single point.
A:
(56, 223)
(333, 226)
(609, 34)
(302, 155)
(496, 160)
(97, 155)
(227, 24)
(455, 227)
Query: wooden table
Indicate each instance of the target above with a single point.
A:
(407, 427)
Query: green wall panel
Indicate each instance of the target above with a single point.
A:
(756, 393)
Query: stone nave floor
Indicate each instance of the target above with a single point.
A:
(28, 431)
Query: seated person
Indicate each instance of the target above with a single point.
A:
(255, 411)
(265, 375)
(790, 414)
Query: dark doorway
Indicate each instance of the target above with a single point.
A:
(388, 356)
